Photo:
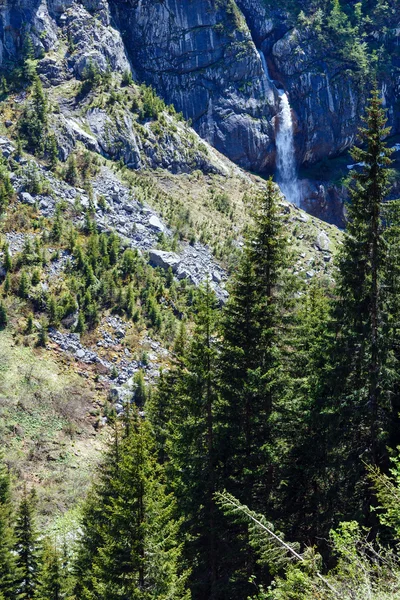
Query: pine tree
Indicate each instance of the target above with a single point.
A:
(80, 325)
(3, 86)
(26, 547)
(129, 546)
(53, 312)
(140, 393)
(56, 230)
(7, 557)
(28, 56)
(359, 311)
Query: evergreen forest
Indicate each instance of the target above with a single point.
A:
(265, 462)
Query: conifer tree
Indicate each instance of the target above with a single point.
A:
(51, 580)
(7, 284)
(7, 262)
(7, 557)
(353, 408)
(53, 311)
(251, 373)
(71, 173)
(191, 409)
(43, 333)
(26, 547)
(129, 546)
(23, 288)
(52, 151)
(29, 324)
(361, 352)
(3, 315)
(40, 102)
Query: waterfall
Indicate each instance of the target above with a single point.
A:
(264, 64)
(285, 155)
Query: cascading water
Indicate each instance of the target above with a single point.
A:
(285, 155)
(264, 64)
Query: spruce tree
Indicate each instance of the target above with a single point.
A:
(7, 284)
(40, 102)
(51, 580)
(26, 547)
(3, 315)
(52, 151)
(7, 262)
(253, 381)
(191, 448)
(129, 546)
(353, 408)
(23, 288)
(251, 363)
(71, 173)
(7, 557)
(360, 370)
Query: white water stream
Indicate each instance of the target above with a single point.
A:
(285, 150)
(285, 154)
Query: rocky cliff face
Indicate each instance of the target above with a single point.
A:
(203, 57)
(200, 56)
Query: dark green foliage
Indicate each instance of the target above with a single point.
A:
(364, 356)
(7, 284)
(7, 557)
(152, 105)
(129, 546)
(34, 120)
(127, 78)
(54, 315)
(71, 173)
(3, 315)
(355, 387)
(24, 285)
(26, 547)
(140, 393)
(35, 277)
(251, 379)
(188, 417)
(6, 189)
(29, 324)
(57, 228)
(52, 577)
(80, 325)
(92, 77)
(52, 151)
(43, 333)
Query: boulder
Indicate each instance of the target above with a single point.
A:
(323, 242)
(160, 258)
(156, 224)
(26, 198)
(6, 147)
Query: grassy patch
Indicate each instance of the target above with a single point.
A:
(45, 426)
